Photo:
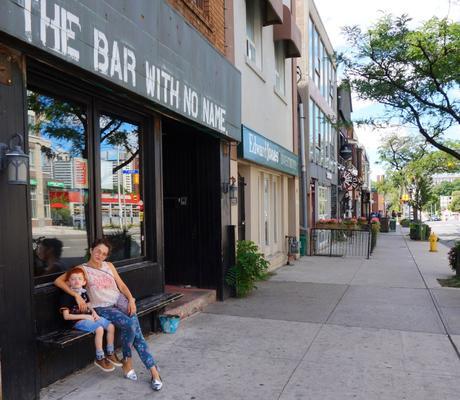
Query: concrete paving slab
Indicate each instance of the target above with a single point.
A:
(386, 295)
(385, 349)
(247, 336)
(451, 317)
(456, 340)
(433, 266)
(448, 300)
(187, 374)
(313, 382)
(368, 364)
(285, 301)
(320, 270)
(387, 308)
(385, 274)
(447, 297)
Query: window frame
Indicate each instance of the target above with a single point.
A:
(280, 67)
(53, 85)
(255, 42)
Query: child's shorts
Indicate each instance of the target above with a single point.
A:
(91, 326)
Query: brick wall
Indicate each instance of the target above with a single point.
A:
(207, 17)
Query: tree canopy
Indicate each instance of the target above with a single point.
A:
(410, 164)
(413, 72)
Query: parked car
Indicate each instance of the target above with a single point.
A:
(435, 218)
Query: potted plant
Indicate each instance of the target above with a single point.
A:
(362, 222)
(327, 223)
(350, 223)
(250, 267)
(375, 229)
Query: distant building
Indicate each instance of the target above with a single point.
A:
(445, 202)
(439, 178)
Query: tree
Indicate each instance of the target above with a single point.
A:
(410, 163)
(390, 193)
(414, 73)
(67, 122)
(455, 204)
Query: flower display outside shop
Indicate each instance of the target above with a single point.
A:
(346, 223)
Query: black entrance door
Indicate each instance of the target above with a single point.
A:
(192, 219)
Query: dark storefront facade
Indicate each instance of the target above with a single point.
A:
(127, 115)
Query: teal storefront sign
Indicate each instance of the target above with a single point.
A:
(256, 148)
(56, 184)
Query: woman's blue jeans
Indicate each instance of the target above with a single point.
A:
(131, 334)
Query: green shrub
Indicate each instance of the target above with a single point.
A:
(427, 232)
(419, 231)
(453, 255)
(250, 267)
(404, 223)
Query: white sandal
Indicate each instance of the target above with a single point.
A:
(131, 375)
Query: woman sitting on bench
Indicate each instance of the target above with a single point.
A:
(104, 287)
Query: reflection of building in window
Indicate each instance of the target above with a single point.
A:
(33, 201)
(40, 175)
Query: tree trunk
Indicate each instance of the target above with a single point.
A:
(415, 213)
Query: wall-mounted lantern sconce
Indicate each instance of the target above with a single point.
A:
(15, 161)
(345, 151)
(231, 189)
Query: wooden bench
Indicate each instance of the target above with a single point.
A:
(65, 337)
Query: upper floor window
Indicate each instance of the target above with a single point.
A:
(280, 68)
(321, 68)
(311, 49)
(254, 32)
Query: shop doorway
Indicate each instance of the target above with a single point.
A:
(192, 206)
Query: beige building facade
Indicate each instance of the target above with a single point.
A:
(266, 42)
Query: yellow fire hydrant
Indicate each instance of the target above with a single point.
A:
(433, 242)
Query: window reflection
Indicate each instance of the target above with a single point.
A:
(121, 200)
(58, 182)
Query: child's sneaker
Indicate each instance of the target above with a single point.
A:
(104, 365)
(114, 359)
(156, 385)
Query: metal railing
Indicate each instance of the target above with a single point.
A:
(333, 242)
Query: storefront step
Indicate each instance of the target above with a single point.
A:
(194, 300)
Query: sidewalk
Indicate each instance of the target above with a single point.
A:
(324, 329)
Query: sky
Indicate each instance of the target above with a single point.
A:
(336, 14)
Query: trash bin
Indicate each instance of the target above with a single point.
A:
(384, 224)
(393, 225)
(303, 244)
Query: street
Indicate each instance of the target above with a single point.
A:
(323, 329)
(448, 231)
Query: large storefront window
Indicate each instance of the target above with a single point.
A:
(122, 214)
(58, 143)
(63, 197)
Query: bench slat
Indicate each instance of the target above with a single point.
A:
(66, 337)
